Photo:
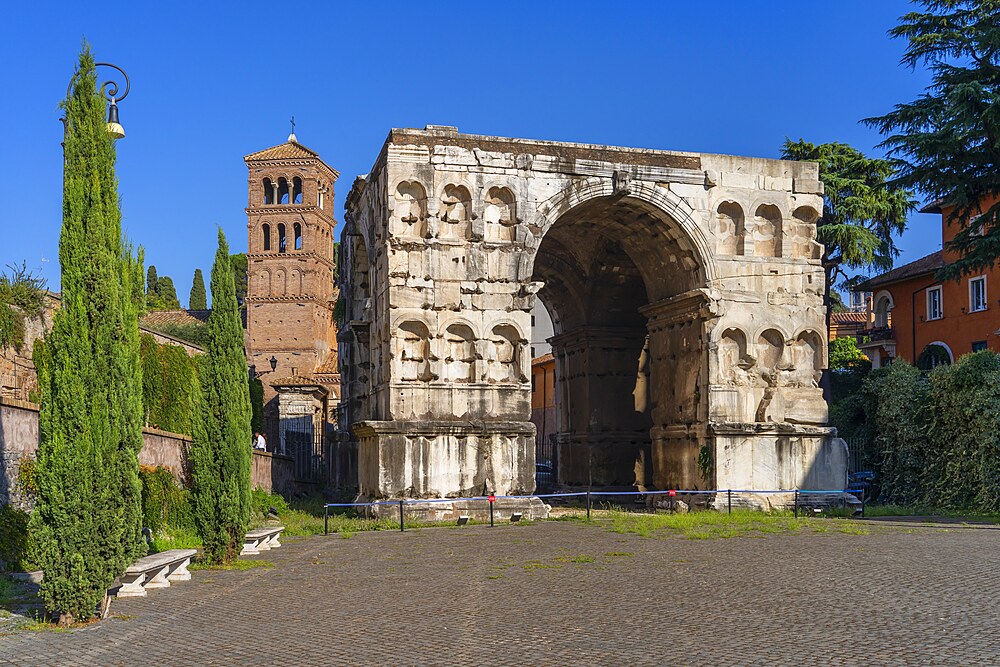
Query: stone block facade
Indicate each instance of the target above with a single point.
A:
(685, 291)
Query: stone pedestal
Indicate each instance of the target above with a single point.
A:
(433, 459)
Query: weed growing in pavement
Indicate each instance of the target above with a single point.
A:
(238, 564)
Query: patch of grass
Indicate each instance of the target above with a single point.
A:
(706, 525)
(170, 537)
(539, 565)
(238, 564)
(495, 576)
(930, 511)
(619, 554)
(853, 529)
(576, 559)
(9, 590)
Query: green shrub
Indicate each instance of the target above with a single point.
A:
(164, 503)
(169, 376)
(14, 538)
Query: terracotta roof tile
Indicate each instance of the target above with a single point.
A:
(286, 151)
(537, 361)
(158, 318)
(330, 365)
(849, 316)
(922, 266)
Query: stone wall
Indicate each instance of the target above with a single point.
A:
(19, 440)
(274, 473)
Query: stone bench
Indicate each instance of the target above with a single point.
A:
(156, 571)
(261, 539)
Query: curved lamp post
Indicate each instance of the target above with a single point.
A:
(109, 90)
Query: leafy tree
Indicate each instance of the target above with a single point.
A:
(87, 519)
(239, 262)
(256, 405)
(169, 377)
(166, 291)
(844, 353)
(862, 209)
(198, 299)
(160, 292)
(22, 296)
(221, 447)
(946, 143)
(898, 430)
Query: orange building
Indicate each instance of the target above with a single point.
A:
(918, 318)
(543, 404)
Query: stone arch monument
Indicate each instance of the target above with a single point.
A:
(685, 291)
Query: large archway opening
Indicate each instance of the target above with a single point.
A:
(627, 346)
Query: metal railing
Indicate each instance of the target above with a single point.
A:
(800, 500)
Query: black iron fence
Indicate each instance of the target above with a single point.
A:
(851, 501)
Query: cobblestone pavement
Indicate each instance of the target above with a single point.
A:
(566, 594)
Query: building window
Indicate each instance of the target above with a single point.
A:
(979, 346)
(935, 309)
(266, 230)
(977, 294)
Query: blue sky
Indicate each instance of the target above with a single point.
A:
(212, 82)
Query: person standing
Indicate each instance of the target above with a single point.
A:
(259, 443)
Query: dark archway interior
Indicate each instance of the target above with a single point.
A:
(602, 264)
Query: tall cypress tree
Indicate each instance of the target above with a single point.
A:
(198, 299)
(151, 280)
(221, 447)
(167, 292)
(87, 520)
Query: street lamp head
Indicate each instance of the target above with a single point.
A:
(274, 363)
(115, 128)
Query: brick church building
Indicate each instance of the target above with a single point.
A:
(290, 301)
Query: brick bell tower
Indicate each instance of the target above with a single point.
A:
(290, 299)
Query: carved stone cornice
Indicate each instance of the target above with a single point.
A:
(686, 307)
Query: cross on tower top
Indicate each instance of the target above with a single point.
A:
(291, 137)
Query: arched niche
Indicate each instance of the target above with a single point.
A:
(411, 209)
(499, 215)
(456, 212)
(413, 354)
(503, 355)
(264, 283)
(279, 286)
(804, 234)
(770, 348)
(767, 231)
(808, 359)
(734, 361)
(460, 353)
(731, 229)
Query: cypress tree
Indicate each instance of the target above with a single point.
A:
(151, 280)
(88, 515)
(198, 300)
(221, 447)
(167, 293)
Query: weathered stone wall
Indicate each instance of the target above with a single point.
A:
(18, 378)
(273, 472)
(19, 440)
(686, 295)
